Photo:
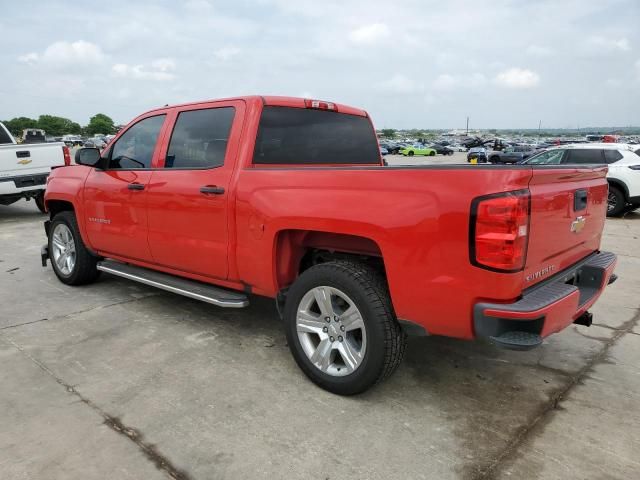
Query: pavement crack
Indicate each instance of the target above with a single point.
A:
(149, 450)
(24, 323)
(553, 403)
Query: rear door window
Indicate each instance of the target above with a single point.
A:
(612, 156)
(304, 136)
(199, 138)
(551, 157)
(134, 149)
(584, 156)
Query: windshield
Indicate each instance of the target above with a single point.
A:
(551, 157)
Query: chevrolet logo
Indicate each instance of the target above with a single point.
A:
(578, 224)
(24, 161)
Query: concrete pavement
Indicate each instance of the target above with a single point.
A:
(118, 380)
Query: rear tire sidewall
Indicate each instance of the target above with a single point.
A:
(373, 362)
(620, 202)
(39, 200)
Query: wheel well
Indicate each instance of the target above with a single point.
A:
(56, 206)
(621, 186)
(298, 250)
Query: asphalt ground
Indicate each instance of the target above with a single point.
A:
(119, 380)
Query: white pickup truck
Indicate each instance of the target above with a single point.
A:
(24, 168)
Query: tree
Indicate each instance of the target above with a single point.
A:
(388, 132)
(100, 123)
(57, 126)
(17, 125)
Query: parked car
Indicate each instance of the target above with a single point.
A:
(417, 149)
(383, 151)
(458, 148)
(24, 168)
(96, 142)
(623, 175)
(514, 154)
(442, 149)
(72, 140)
(479, 153)
(297, 206)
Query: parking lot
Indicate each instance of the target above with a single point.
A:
(119, 380)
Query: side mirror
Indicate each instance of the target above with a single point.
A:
(89, 157)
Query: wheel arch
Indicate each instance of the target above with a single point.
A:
(620, 185)
(297, 250)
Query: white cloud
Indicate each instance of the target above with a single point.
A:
(399, 83)
(539, 51)
(72, 52)
(164, 64)
(160, 70)
(517, 78)
(369, 34)
(29, 58)
(609, 44)
(447, 81)
(225, 53)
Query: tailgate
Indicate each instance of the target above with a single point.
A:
(30, 159)
(568, 210)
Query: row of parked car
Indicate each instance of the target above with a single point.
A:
(97, 141)
(411, 149)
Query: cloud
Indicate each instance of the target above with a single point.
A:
(226, 53)
(160, 70)
(447, 81)
(539, 51)
(517, 78)
(609, 44)
(638, 69)
(399, 83)
(71, 52)
(29, 58)
(369, 34)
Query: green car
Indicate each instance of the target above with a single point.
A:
(417, 150)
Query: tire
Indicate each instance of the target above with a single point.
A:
(377, 345)
(493, 159)
(410, 153)
(616, 202)
(432, 154)
(39, 199)
(82, 268)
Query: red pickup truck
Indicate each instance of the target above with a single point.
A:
(289, 198)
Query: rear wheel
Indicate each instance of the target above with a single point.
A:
(72, 263)
(410, 153)
(432, 153)
(39, 199)
(341, 328)
(615, 202)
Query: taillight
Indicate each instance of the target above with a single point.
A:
(320, 105)
(500, 231)
(67, 155)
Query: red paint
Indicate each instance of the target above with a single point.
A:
(257, 232)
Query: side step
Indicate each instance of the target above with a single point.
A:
(189, 288)
(517, 340)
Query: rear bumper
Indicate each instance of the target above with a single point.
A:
(548, 307)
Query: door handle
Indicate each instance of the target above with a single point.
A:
(211, 190)
(135, 186)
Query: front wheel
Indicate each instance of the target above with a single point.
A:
(432, 153)
(410, 154)
(341, 328)
(72, 263)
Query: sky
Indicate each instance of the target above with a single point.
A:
(410, 64)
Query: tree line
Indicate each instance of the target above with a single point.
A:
(58, 126)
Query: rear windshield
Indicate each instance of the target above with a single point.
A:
(303, 136)
(4, 136)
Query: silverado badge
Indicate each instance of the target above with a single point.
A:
(25, 161)
(578, 224)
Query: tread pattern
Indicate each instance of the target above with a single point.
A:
(85, 270)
